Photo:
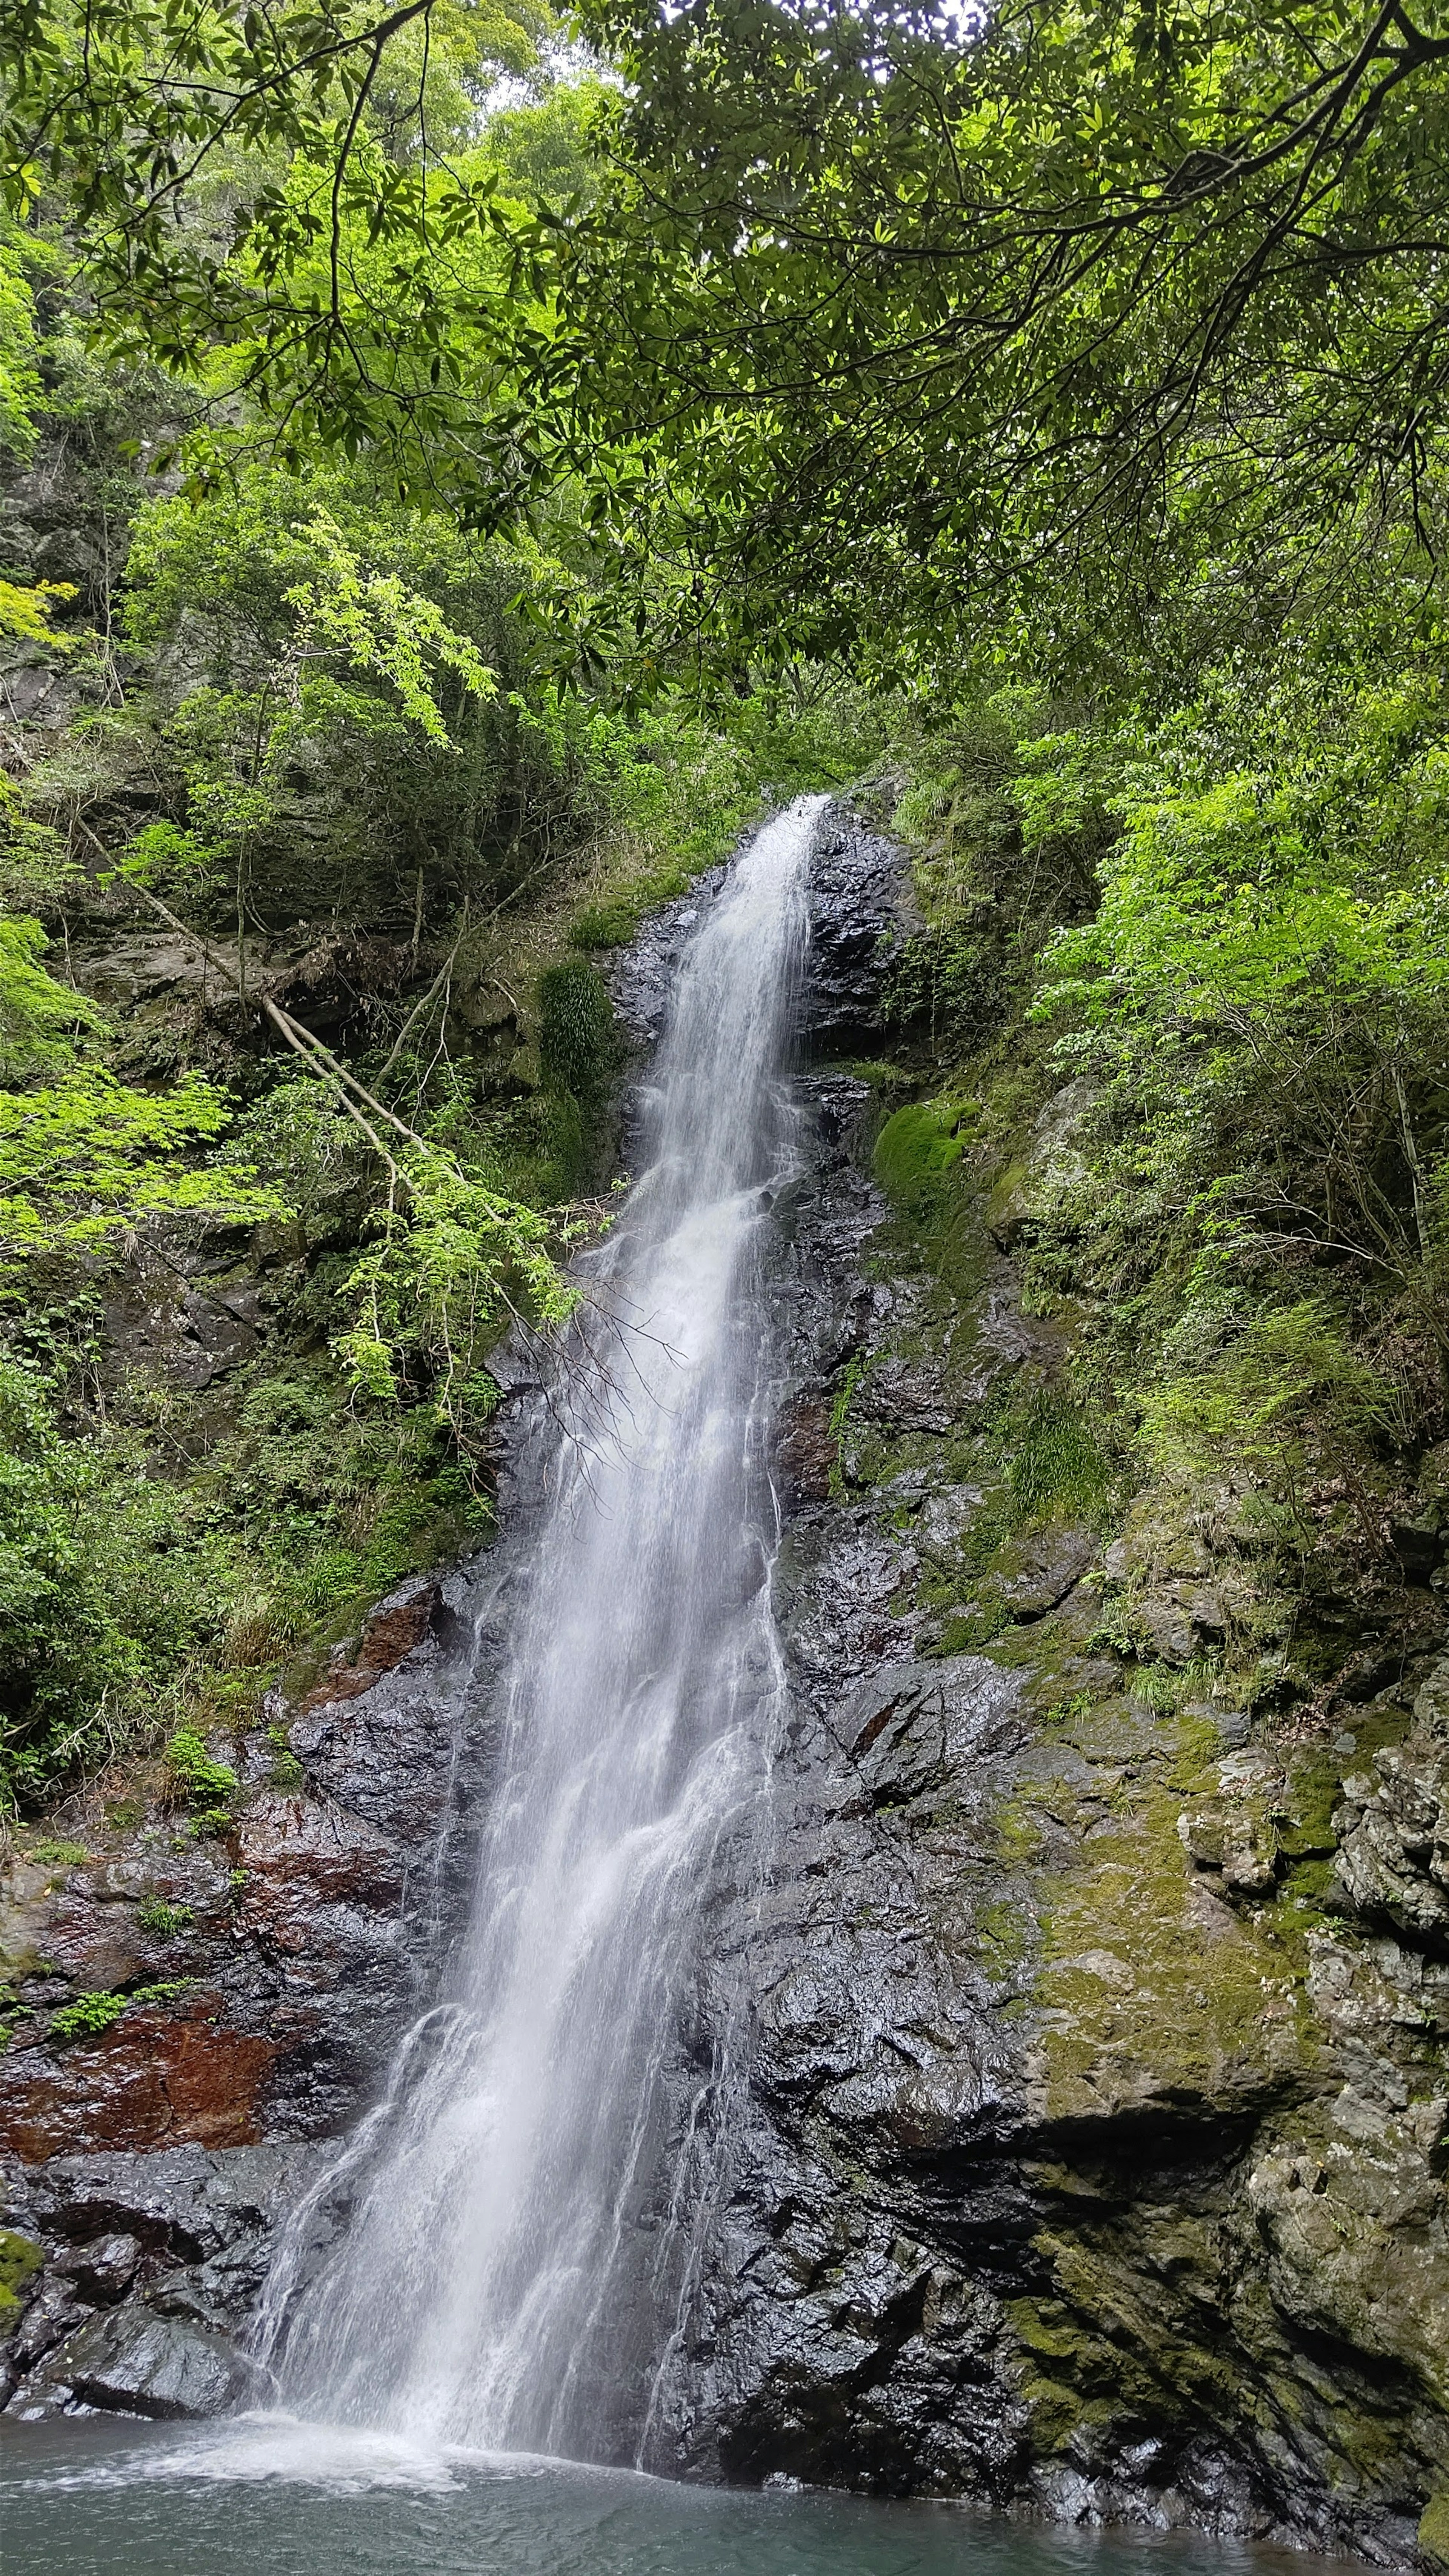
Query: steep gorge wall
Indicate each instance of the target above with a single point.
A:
(1087, 2146)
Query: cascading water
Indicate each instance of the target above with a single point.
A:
(512, 2272)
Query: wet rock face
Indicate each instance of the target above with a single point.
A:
(860, 910)
(1084, 2110)
(148, 2162)
(152, 2266)
(134, 2364)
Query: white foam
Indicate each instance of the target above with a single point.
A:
(252, 2449)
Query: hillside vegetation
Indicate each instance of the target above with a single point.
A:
(457, 470)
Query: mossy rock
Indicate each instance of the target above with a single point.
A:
(19, 2261)
(915, 1154)
(1434, 2530)
(1144, 2003)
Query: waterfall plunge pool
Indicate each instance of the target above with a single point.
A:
(269, 2496)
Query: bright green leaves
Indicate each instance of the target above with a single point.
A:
(19, 370)
(39, 1019)
(83, 1157)
(288, 203)
(301, 596)
(1288, 1377)
(86, 1159)
(27, 612)
(373, 624)
(454, 1264)
(1325, 868)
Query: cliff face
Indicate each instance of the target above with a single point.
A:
(1085, 2140)
(1092, 2149)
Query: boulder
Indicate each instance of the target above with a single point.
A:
(131, 2361)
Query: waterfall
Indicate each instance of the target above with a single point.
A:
(516, 2258)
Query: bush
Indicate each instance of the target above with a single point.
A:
(98, 1605)
(577, 1045)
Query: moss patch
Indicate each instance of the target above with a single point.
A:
(915, 1153)
(1153, 1996)
(1434, 2530)
(19, 2261)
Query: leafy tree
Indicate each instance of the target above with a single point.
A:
(19, 371)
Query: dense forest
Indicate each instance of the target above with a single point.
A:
(460, 467)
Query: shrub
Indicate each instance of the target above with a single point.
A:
(576, 1040)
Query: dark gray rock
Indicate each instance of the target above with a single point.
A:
(104, 2269)
(914, 1726)
(133, 2362)
(184, 2234)
(860, 913)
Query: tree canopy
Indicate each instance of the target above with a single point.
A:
(865, 313)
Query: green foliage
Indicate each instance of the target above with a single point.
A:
(914, 1153)
(1433, 2532)
(91, 2015)
(1284, 1379)
(577, 1046)
(88, 2016)
(36, 871)
(87, 1158)
(299, 597)
(1055, 1465)
(39, 1019)
(84, 1157)
(849, 1388)
(19, 368)
(95, 1603)
(20, 2260)
(441, 1283)
(195, 1776)
(27, 613)
(285, 1770)
(164, 1921)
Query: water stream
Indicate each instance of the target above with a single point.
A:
(511, 2273)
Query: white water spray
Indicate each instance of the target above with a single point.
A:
(507, 2281)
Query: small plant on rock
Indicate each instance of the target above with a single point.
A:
(195, 1776)
(286, 1770)
(164, 1921)
(92, 2015)
(88, 2016)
